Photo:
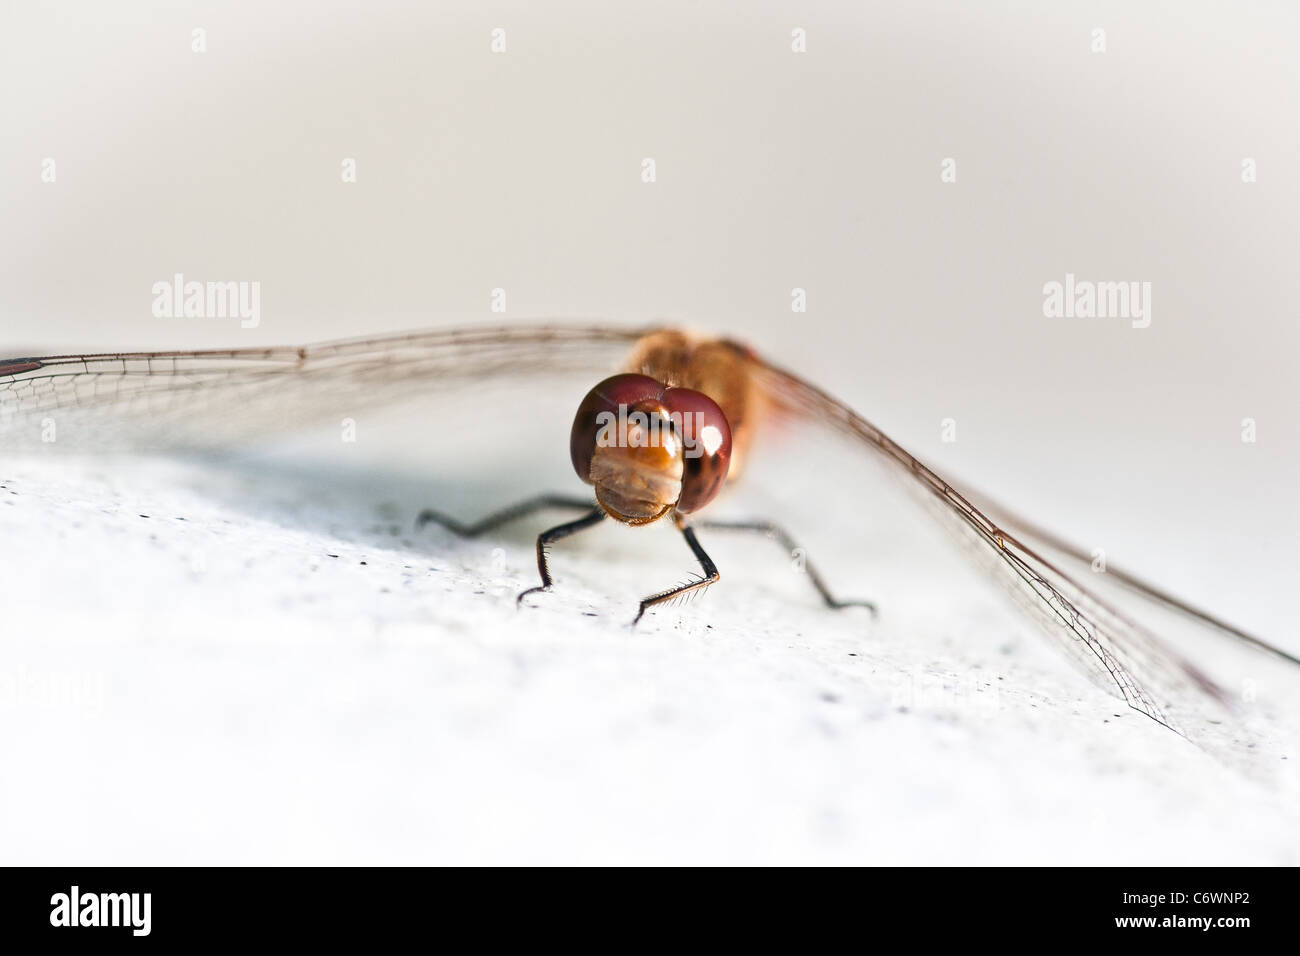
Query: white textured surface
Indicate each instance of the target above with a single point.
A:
(289, 675)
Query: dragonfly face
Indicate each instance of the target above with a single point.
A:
(649, 449)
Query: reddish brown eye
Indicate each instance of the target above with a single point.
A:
(626, 390)
(706, 440)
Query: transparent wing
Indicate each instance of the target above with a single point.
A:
(210, 397)
(1152, 677)
(207, 397)
(1075, 557)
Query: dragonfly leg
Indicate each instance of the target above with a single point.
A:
(782, 537)
(552, 535)
(710, 570)
(504, 516)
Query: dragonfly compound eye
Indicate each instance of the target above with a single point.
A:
(623, 443)
(705, 435)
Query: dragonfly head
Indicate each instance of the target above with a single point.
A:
(649, 449)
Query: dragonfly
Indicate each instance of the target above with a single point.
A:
(669, 422)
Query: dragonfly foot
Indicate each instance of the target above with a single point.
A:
(519, 601)
(839, 605)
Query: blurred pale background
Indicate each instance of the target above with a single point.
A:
(820, 170)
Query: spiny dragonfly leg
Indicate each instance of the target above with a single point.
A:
(552, 535)
(710, 570)
(504, 516)
(779, 535)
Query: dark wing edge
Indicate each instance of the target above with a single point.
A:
(1150, 676)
